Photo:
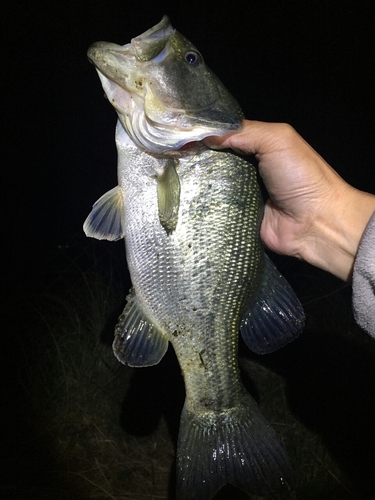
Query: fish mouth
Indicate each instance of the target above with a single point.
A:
(162, 102)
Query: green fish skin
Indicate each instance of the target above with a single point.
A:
(190, 217)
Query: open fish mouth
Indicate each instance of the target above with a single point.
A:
(163, 92)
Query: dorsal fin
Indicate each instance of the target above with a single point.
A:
(275, 317)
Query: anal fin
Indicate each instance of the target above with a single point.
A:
(137, 340)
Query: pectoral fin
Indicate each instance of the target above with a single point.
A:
(276, 316)
(168, 196)
(137, 341)
(106, 219)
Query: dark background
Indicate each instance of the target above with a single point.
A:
(310, 64)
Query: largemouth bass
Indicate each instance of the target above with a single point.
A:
(190, 217)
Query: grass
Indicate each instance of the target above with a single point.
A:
(79, 425)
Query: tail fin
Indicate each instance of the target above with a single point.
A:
(237, 447)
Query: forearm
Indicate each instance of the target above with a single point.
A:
(337, 230)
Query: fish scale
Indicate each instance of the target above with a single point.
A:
(190, 218)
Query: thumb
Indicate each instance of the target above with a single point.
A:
(217, 142)
(246, 140)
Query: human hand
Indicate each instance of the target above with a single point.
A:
(311, 213)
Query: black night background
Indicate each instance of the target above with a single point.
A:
(72, 415)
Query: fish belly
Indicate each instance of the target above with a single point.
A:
(194, 285)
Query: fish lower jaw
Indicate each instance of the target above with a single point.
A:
(188, 145)
(189, 149)
(158, 138)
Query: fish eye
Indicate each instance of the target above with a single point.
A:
(193, 58)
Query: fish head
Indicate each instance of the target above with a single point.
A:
(163, 92)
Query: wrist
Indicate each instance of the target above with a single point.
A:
(333, 242)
